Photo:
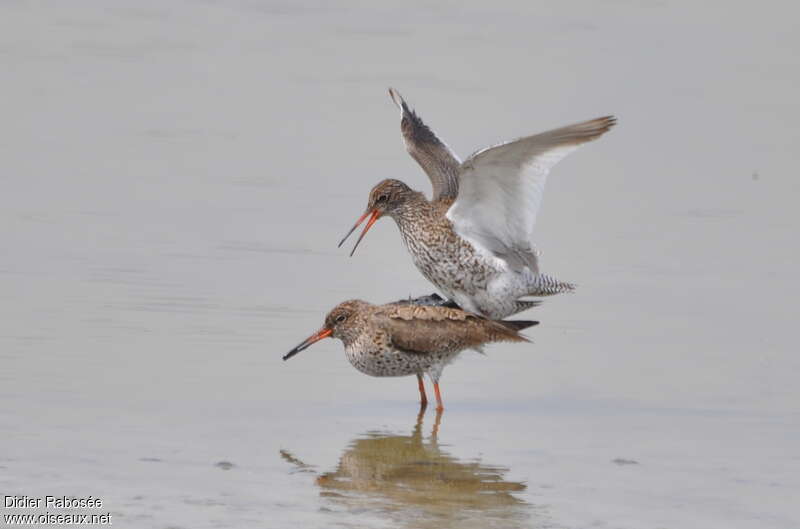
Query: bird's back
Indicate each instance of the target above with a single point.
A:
(428, 329)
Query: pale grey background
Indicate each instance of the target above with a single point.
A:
(175, 177)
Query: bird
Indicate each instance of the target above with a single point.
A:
(403, 339)
(474, 239)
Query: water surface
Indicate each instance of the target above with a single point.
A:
(176, 178)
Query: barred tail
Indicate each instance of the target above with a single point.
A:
(544, 285)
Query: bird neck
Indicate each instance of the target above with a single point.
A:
(415, 208)
(364, 340)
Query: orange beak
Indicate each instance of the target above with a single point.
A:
(376, 214)
(323, 333)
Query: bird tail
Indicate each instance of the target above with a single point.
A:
(544, 285)
(525, 304)
(517, 325)
(508, 330)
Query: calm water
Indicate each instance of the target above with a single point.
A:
(175, 180)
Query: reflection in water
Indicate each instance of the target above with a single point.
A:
(418, 485)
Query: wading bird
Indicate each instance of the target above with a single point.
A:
(474, 239)
(402, 339)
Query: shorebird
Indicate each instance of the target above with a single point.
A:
(474, 239)
(401, 339)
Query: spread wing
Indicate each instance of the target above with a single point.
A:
(421, 329)
(501, 188)
(436, 159)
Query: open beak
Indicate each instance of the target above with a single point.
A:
(324, 333)
(376, 214)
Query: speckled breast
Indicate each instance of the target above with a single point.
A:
(390, 362)
(445, 259)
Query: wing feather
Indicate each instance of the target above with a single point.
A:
(501, 189)
(436, 159)
(421, 328)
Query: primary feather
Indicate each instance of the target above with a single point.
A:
(437, 159)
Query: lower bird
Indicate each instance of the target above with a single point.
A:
(403, 339)
(474, 239)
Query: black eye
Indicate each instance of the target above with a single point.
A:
(383, 198)
(340, 318)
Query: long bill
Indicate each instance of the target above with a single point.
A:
(323, 333)
(376, 214)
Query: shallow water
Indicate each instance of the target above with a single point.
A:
(176, 179)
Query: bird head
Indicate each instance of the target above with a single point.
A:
(386, 198)
(342, 322)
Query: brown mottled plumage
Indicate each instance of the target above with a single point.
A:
(473, 240)
(401, 339)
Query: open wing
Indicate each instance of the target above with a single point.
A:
(436, 159)
(420, 328)
(501, 188)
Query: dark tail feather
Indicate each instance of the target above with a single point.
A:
(518, 325)
(524, 304)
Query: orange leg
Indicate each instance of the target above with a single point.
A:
(439, 405)
(436, 423)
(423, 398)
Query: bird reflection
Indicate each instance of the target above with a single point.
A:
(414, 482)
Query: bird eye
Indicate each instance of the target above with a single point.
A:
(340, 318)
(383, 198)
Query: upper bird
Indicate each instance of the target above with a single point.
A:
(474, 239)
